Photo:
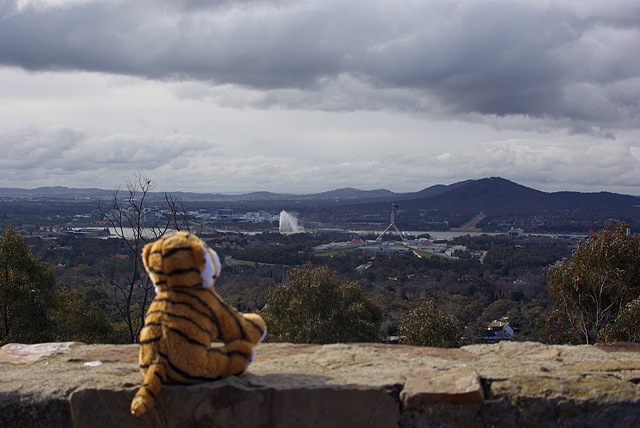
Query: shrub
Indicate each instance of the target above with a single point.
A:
(426, 325)
(315, 306)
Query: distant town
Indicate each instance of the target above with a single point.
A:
(479, 249)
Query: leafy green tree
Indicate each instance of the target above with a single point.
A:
(26, 286)
(393, 308)
(72, 319)
(554, 327)
(427, 325)
(532, 320)
(316, 306)
(245, 296)
(626, 327)
(95, 293)
(602, 276)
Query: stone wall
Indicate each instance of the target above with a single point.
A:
(509, 384)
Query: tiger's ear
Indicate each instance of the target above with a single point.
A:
(201, 260)
(146, 251)
(212, 267)
(145, 255)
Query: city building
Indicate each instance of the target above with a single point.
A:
(514, 233)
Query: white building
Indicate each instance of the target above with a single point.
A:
(498, 330)
(515, 233)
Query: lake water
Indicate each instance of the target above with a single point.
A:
(128, 233)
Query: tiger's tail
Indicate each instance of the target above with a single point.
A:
(146, 395)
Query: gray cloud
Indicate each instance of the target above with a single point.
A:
(571, 65)
(305, 96)
(38, 154)
(67, 156)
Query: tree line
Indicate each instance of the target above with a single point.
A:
(593, 295)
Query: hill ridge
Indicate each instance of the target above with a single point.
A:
(490, 194)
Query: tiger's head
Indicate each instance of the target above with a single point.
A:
(180, 260)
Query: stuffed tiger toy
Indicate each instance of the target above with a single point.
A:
(185, 317)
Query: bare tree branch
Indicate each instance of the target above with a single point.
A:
(136, 221)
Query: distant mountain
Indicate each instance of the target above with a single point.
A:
(338, 195)
(499, 196)
(353, 194)
(488, 194)
(347, 195)
(57, 191)
(433, 190)
(493, 195)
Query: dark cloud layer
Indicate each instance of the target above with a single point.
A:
(572, 64)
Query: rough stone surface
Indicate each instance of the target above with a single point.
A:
(344, 385)
(460, 385)
(17, 353)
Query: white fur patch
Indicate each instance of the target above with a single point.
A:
(152, 281)
(253, 358)
(212, 267)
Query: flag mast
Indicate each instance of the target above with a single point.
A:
(392, 225)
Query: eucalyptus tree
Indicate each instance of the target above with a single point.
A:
(314, 305)
(598, 283)
(426, 325)
(26, 290)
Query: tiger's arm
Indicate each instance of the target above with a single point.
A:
(232, 325)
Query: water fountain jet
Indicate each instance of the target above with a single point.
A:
(289, 223)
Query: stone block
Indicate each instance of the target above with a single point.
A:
(460, 385)
(17, 353)
(230, 403)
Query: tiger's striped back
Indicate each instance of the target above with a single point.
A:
(184, 319)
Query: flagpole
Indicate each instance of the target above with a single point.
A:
(392, 225)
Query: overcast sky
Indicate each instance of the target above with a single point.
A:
(306, 96)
